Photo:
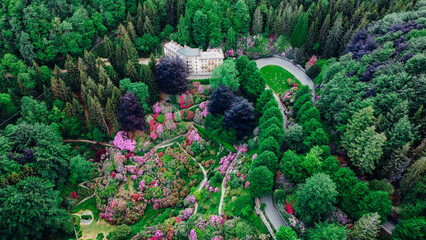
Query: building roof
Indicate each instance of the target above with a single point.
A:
(189, 52)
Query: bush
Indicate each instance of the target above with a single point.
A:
(216, 180)
(381, 185)
(290, 82)
(313, 71)
(121, 232)
(279, 195)
(160, 118)
(236, 183)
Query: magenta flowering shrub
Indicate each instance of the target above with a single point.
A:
(156, 108)
(225, 162)
(257, 47)
(122, 142)
(187, 212)
(215, 220)
(190, 199)
(193, 235)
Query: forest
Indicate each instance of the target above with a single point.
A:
(102, 136)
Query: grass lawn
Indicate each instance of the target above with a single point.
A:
(276, 78)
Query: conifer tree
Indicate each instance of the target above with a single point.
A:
(257, 22)
(413, 174)
(96, 114)
(324, 31)
(200, 26)
(180, 9)
(148, 28)
(241, 17)
(131, 54)
(334, 38)
(108, 48)
(90, 63)
(300, 31)
(366, 228)
(59, 89)
(149, 79)
(140, 26)
(171, 11)
(183, 32)
(131, 31)
(153, 64)
(397, 163)
(73, 75)
(131, 71)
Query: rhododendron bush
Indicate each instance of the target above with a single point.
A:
(153, 179)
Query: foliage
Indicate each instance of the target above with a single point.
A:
(226, 74)
(172, 75)
(121, 232)
(266, 158)
(315, 199)
(366, 228)
(325, 231)
(240, 116)
(286, 233)
(261, 181)
(81, 170)
(31, 208)
(131, 113)
(221, 99)
(413, 228)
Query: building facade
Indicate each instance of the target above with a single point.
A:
(200, 63)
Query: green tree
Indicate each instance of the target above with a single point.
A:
(286, 233)
(315, 199)
(334, 38)
(410, 229)
(266, 158)
(241, 17)
(81, 170)
(225, 74)
(366, 228)
(26, 47)
(413, 174)
(121, 232)
(183, 34)
(139, 89)
(291, 167)
(261, 181)
(293, 138)
(257, 26)
(318, 137)
(251, 80)
(73, 75)
(325, 231)
(300, 31)
(30, 208)
(377, 201)
(264, 98)
(269, 144)
(200, 26)
(149, 79)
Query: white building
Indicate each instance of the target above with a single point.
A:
(200, 63)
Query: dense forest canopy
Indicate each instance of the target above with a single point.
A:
(94, 117)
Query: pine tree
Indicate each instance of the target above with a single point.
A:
(180, 9)
(108, 48)
(90, 63)
(73, 75)
(300, 31)
(131, 54)
(241, 17)
(153, 64)
(200, 26)
(96, 114)
(152, 14)
(397, 163)
(215, 36)
(312, 38)
(183, 32)
(131, 71)
(324, 31)
(59, 89)
(171, 11)
(334, 38)
(111, 112)
(148, 28)
(149, 79)
(139, 26)
(413, 174)
(257, 22)
(366, 228)
(270, 19)
(131, 31)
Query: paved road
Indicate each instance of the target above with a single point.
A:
(271, 211)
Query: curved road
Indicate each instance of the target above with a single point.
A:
(271, 210)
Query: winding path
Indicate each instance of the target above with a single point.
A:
(204, 173)
(224, 182)
(271, 210)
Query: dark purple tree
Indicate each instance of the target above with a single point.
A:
(131, 113)
(361, 44)
(240, 116)
(369, 73)
(28, 155)
(172, 74)
(221, 100)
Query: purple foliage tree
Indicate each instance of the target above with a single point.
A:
(222, 99)
(240, 116)
(130, 113)
(172, 74)
(361, 44)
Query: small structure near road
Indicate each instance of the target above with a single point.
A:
(200, 63)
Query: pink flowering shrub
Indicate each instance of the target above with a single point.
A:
(311, 62)
(187, 212)
(156, 108)
(215, 220)
(246, 185)
(122, 142)
(254, 156)
(193, 235)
